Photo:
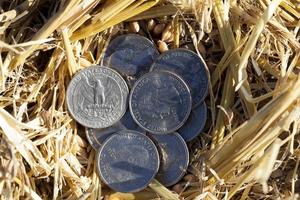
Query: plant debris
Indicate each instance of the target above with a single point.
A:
(250, 147)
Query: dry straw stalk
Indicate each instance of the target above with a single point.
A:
(249, 148)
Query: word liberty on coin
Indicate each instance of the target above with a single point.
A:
(160, 102)
(128, 161)
(97, 97)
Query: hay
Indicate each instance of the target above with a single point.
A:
(250, 148)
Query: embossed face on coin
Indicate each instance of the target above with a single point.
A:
(174, 157)
(131, 55)
(160, 102)
(96, 137)
(195, 123)
(97, 97)
(187, 65)
(128, 161)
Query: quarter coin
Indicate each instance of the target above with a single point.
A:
(128, 161)
(174, 157)
(160, 102)
(195, 123)
(187, 65)
(96, 137)
(97, 97)
(131, 55)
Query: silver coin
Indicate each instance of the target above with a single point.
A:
(174, 157)
(128, 161)
(128, 123)
(96, 137)
(131, 55)
(160, 102)
(97, 97)
(187, 65)
(195, 123)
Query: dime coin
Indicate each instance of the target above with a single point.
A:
(174, 157)
(195, 123)
(160, 102)
(128, 161)
(96, 137)
(97, 97)
(189, 66)
(131, 55)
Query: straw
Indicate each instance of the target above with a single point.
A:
(248, 148)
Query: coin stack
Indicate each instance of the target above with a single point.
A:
(139, 109)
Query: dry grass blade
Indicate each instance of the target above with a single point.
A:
(229, 42)
(157, 11)
(163, 191)
(45, 32)
(12, 14)
(72, 65)
(250, 143)
(99, 26)
(258, 28)
(261, 169)
(31, 193)
(111, 10)
(226, 102)
(8, 47)
(11, 129)
(254, 129)
(133, 196)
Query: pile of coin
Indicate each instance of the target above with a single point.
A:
(139, 109)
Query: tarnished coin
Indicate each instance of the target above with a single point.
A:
(128, 161)
(174, 157)
(96, 137)
(97, 97)
(195, 123)
(131, 55)
(187, 65)
(127, 122)
(160, 102)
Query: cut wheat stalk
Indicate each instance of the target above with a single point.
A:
(44, 154)
(99, 26)
(250, 45)
(229, 42)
